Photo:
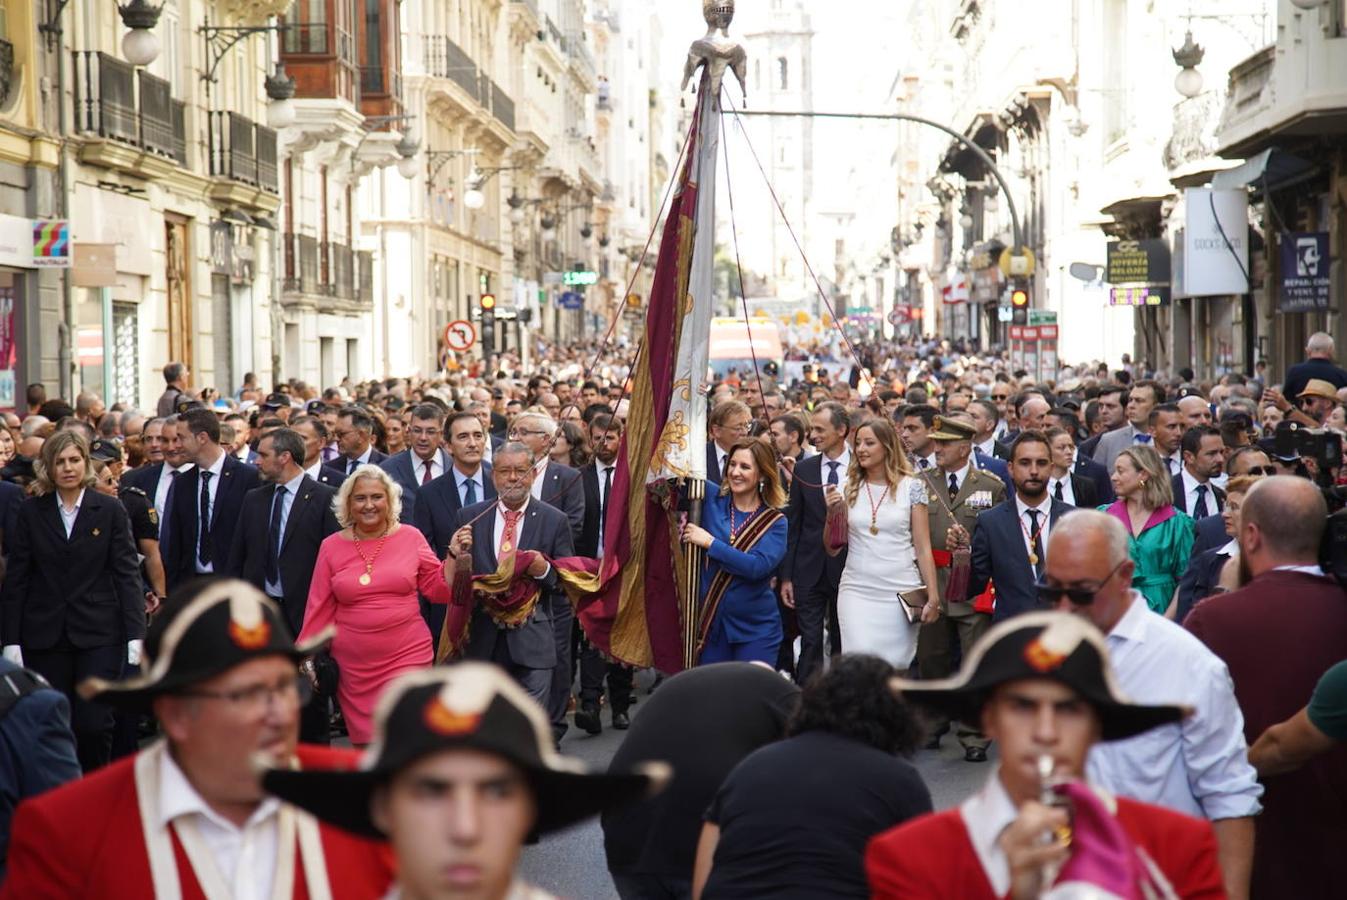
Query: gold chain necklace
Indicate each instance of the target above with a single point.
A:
(368, 560)
(874, 507)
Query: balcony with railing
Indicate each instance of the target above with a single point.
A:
(317, 267)
(442, 58)
(582, 60)
(364, 276)
(243, 151)
(117, 102)
(300, 259)
(320, 54)
(341, 283)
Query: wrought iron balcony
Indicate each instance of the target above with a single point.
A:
(243, 151)
(114, 100)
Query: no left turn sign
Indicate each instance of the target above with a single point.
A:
(460, 335)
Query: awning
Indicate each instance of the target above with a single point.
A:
(1271, 169)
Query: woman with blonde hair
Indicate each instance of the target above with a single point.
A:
(1160, 537)
(72, 607)
(889, 581)
(365, 581)
(745, 540)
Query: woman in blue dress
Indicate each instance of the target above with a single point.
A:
(745, 539)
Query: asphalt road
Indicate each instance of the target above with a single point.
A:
(571, 864)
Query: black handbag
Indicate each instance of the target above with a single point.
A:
(326, 674)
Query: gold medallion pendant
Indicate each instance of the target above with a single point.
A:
(874, 529)
(365, 579)
(1033, 559)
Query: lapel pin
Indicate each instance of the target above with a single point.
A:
(96, 532)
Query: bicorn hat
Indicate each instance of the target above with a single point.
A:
(468, 705)
(1061, 646)
(215, 625)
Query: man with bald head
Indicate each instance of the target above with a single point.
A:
(1198, 766)
(1291, 613)
(1195, 411)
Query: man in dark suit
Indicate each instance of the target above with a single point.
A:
(994, 466)
(212, 493)
(355, 441)
(1097, 475)
(1203, 460)
(466, 482)
(515, 521)
(605, 437)
(809, 577)
(1110, 413)
(728, 424)
(1010, 542)
(313, 431)
(281, 526)
(424, 460)
(1288, 612)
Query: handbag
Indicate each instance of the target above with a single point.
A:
(912, 602)
(326, 674)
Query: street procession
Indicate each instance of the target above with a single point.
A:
(527, 449)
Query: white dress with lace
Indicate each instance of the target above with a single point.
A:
(878, 567)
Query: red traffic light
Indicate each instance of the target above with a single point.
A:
(488, 301)
(1019, 298)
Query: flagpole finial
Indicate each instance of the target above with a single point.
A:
(716, 51)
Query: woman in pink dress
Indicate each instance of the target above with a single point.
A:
(366, 581)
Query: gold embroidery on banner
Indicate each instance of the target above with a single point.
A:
(672, 447)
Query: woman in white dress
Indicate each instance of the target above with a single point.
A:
(888, 547)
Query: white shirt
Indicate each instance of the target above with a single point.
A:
(602, 470)
(987, 447)
(1173, 461)
(1305, 570)
(1027, 528)
(478, 487)
(287, 501)
(359, 460)
(68, 516)
(1068, 494)
(1190, 486)
(419, 465)
(1199, 766)
(315, 470)
(166, 482)
(246, 857)
(843, 463)
(960, 476)
(922, 463)
(212, 489)
(986, 815)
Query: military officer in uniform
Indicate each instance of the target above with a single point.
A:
(959, 491)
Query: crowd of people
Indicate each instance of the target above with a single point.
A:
(1082, 580)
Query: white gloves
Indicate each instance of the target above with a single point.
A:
(133, 652)
(12, 653)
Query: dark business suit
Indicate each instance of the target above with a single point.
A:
(436, 517)
(812, 573)
(1082, 489)
(593, 667)
(1103, 483)
(714, 472)
(561, 489)
(997, 467)
(11, 498)
(530, 652)
(337, 469)
(1215, 497)
(146, 478)
(71, 604)
(1200, 579)
(407, 473)
(180, 547)
(1209, 534)
(999, 556)
(311, 519)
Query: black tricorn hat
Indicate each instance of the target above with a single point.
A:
(468, 705)
(214, 625)
(1063, 647)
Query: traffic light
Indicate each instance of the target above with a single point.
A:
(488, 304)
(1019, 304)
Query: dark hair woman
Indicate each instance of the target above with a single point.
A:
(745, 539)
(841, 759)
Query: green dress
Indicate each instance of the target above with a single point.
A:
(1160, 552)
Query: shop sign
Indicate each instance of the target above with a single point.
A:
(1216, 242)
(1305, 283)
(1137, 262)
(34, 243)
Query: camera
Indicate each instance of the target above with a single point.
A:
(1319, 444)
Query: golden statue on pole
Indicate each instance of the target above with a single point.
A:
(716, 50)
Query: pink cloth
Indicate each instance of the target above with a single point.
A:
(380, 632)
(1119, 511)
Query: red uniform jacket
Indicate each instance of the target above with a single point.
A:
(85, 840)
(932, 856)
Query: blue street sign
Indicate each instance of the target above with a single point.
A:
(571, 300)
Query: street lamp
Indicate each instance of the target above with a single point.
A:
(1188, 57)
(407, 150)
(280, 90)
(548, 225)
(1307, 4)
(140, 46)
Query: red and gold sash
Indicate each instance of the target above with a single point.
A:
(744, 541)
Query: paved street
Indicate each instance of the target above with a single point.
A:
(571, 863)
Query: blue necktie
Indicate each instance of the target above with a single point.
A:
(832, 471)
(1200, 508)
(1142, 438)
(469, 492)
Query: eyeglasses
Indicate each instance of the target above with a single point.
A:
(1078, 596)
(741, 428)
(520, 432)
(256, 698)
(1260, 470)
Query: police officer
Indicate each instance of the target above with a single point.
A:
(144, 520)
(958, 491)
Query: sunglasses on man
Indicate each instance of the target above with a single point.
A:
(1051, 595)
